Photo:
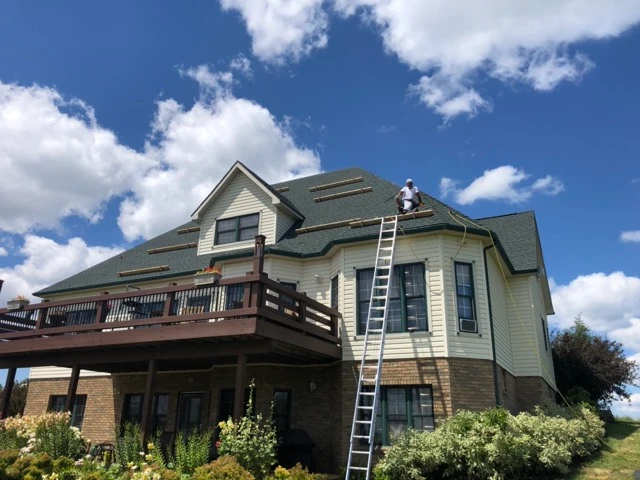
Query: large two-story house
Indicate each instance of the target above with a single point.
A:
(138, 337)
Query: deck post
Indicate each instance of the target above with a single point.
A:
(8, 389)
(258, 254)
(241, 381)
(147, 400)
(73, 386)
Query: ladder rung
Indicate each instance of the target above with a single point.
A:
(367, 393)
(363, 421)
(378, 308)
(370, 366)
(368, 379)
(382, 277)
(360, 436)
(386, 248)
(359, 468)
(365, 408)
(360, 452)
(379, 297)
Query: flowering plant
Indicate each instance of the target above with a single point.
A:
(210, 270)
(20, 298)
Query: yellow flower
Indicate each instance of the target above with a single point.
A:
(150, 446)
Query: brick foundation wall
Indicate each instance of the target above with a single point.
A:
(472, 384)
(532, 391)
(99, 414)
(507, 390)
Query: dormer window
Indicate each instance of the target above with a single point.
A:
(237, 229)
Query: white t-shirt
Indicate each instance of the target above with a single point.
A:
(407, 195)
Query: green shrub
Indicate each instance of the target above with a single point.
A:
(9, 439)
(252, 441)
(224, 468)
(193, 451)
(30, 467)
(128, 445)
(295, 473)
(493, 445)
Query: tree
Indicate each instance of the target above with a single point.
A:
(592, 365)
(18, 397)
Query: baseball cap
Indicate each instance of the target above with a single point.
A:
(409, 180)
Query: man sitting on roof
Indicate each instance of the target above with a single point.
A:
(409, 198)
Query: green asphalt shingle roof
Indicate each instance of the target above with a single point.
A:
(515, 234)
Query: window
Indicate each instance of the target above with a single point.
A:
(467, 321)
(235, 296)
(227, 399)
(401, 408)
(56, 404)
(237, 229)
(189, 411)
(545, 334)
(407, 308)
(282, 409)
(132, 410)
(335, 293)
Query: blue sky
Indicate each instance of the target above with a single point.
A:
(116, 111)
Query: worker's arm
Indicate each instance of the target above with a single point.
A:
(399, 195)
(419, 197)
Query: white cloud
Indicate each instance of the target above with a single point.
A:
(282, 30)
(454, 44)
(608, 303)
(3, 252)
(500, 183)
(635, 358)
(56, 160)
(631, 236)
(627, 408)
(197, 145)
(46, 262)
(242, 64)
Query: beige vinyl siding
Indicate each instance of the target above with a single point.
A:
(523, 339)
(501, 327)
(283, 223)
(317, 288)
(546, 360)
(40, 373)
(397, 345)
(285, 270)
(236, 269)
(462, 344)
(240, 197)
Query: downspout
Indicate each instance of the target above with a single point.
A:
(493, 339)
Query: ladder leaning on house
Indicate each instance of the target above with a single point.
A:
(368, 393)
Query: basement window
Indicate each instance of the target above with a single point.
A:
(237, 229)
(56, 404)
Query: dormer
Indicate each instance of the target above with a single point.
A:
(240, 207)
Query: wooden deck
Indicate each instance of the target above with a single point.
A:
(251, 315)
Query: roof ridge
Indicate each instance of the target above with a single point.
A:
(506, 215)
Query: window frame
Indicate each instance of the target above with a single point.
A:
(472, 297)
(545, 334)
(232, 391)
(79, 401)
(237, 228)
(382, 414)
(287, 415)
(403, 299)
(154, 409)
(334, 292)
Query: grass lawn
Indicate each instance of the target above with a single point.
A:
(618, 459)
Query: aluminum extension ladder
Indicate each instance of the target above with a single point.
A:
(363, 427)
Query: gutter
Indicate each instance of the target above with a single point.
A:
(493, 339)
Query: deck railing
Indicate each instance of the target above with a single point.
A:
(254, 295)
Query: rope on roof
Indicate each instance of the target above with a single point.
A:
(405, 216)
(140, 271)
(171, 248)
(326, 226)
(335, 184)
(282, 189)
(348, 193)
(187, 230)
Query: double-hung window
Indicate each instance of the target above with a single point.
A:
(56, 404)
(237, 229)
(407, 309)
(132, 410)
(465, 294)
(401, 407)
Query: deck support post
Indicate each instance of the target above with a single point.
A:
(8, 389)
(69, 401)
(258, 254)
(147, 400)
(241, 382)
